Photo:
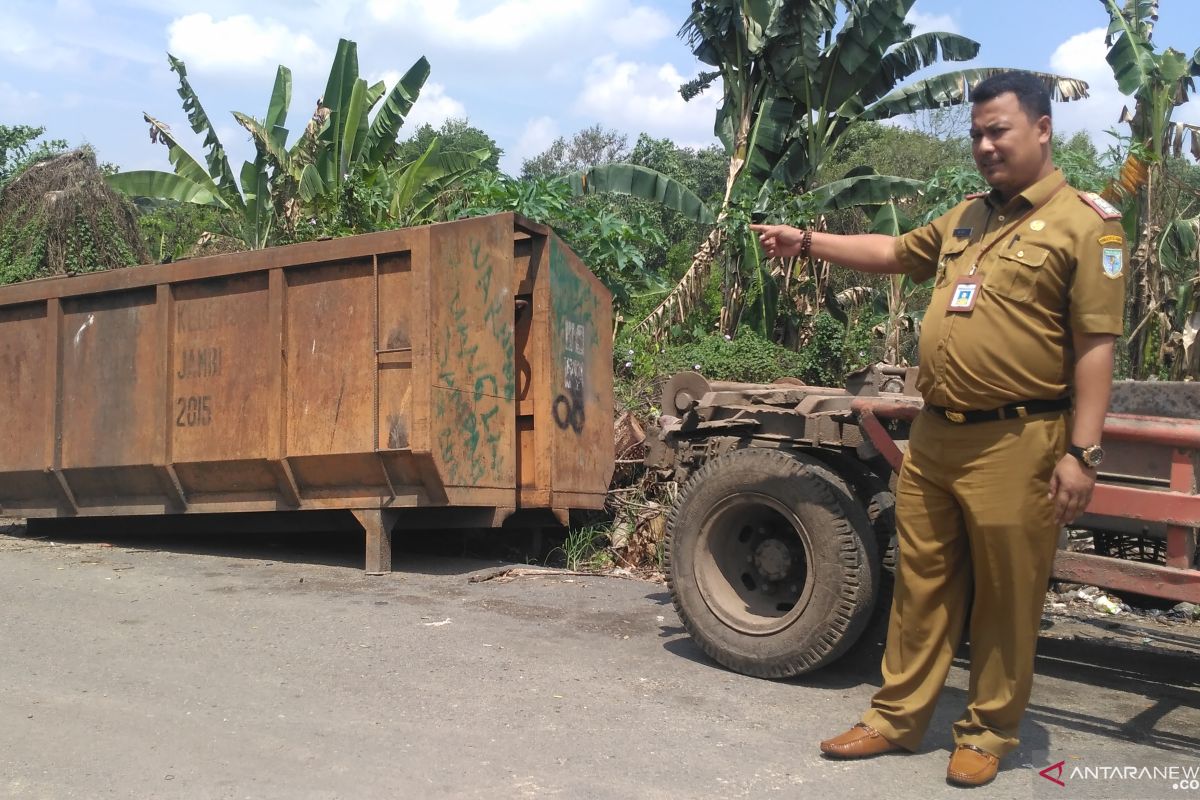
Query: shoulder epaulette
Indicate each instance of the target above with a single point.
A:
(1105, 209)
(975, 196)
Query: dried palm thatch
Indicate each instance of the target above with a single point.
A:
(59, 217)
(214, 244)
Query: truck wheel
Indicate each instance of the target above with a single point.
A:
(771, 573)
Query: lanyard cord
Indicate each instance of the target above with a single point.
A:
(1001, 236)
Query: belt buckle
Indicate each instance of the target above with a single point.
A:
(957, 417)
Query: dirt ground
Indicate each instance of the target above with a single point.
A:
(257, 666)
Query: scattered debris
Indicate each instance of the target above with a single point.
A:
(509, 574)
(1187, 611)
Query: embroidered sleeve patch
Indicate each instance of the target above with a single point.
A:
(1105, 209)
(1117, 240)
(1112, 261)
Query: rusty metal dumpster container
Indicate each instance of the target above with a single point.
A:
(464, 365)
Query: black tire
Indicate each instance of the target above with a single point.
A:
(771, 563)
(873, 493)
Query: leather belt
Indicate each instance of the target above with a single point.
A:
(1025, 408)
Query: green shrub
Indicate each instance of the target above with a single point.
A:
(746, 357)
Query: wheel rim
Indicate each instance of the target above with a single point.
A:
(752, 564)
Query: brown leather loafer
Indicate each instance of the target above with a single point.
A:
(861, 741)
(971, 766)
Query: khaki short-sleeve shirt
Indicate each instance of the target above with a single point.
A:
(1058, 270)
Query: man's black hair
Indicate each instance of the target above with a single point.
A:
(1030, 91)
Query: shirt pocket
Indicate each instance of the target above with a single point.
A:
(1016, 272)
(948, 260)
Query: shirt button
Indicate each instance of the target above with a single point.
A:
(1020, 254)
(1001, 218)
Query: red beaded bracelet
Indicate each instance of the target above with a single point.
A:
(806, 244)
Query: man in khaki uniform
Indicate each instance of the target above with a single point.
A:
(1016, 358)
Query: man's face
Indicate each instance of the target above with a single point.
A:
(1007, 144)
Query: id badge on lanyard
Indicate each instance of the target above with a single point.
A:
(966, 292)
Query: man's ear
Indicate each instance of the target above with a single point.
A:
(1045, 129)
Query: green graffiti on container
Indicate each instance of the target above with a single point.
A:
(575, 337)
(470, 442)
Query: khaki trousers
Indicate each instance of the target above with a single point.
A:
(972, 511)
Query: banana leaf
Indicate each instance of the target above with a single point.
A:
(409, 180)
(646, 184)
(281, 101)
(185, 165)
(442, 172)
(354, 117)
(259, 209)
(953, 88)
(267, 141)
(386, 126)
(218, 163)
(769, 138)
(905, 60)
(165, 186)
(343, 76)
(1130, 54)
(863, 190)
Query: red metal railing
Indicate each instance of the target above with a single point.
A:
(1178, 506)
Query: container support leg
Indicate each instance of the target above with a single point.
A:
(378, 524)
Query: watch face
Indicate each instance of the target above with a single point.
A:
(1093, 455)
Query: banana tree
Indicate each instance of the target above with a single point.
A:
(346, 137)
(1159, 82)
(343, 139)
(795, 77)
(251, 203)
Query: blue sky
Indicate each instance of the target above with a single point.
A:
(523, 70)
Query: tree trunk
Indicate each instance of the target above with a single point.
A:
(690, 289)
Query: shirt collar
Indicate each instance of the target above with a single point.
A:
(1033, 195)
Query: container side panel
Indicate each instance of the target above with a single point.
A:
(331, 358)
(220, 370)
(535, 390)
(396, 351)
(474, 374)
(581, 375)
(24, 345)
(110, 391)
(230, 476)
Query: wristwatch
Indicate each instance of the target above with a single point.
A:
(1090, 457)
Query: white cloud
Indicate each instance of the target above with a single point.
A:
(241, 43)
(643, 97)
(434, 106)
(932, 23)
(21, 43)
(507, 25)
(539, 134)
(1082, 57)
(640, 27)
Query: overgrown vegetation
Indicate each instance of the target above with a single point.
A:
(58, 217)
(665, 227)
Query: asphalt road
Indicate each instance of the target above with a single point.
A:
(210, 667)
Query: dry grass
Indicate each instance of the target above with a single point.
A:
(60, 217)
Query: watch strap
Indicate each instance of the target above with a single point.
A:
(1080, 454)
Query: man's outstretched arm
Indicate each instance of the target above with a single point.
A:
(866, 252)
